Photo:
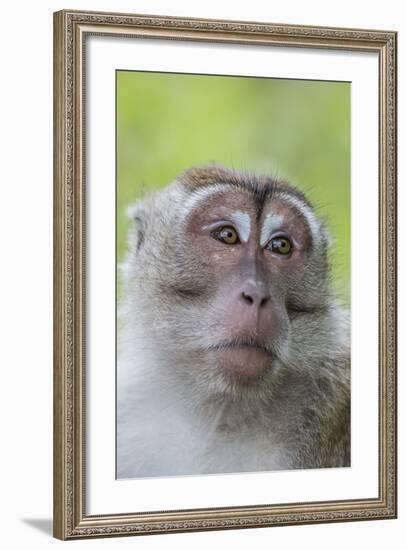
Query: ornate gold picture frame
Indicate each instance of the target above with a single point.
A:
(73, 517)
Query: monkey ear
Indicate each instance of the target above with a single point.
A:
(137, 214)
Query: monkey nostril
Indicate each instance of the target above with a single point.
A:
(255, 299)
(247, 298)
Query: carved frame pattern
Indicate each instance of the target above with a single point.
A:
(70, 31)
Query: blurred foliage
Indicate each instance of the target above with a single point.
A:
(295, 129)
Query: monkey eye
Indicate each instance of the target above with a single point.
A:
(280, 245)
(226, 234)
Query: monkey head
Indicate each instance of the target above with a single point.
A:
(222, 266)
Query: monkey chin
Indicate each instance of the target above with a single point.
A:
(246, 364)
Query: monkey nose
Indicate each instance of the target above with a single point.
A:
(255, 295)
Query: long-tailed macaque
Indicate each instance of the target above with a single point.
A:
(233, 351)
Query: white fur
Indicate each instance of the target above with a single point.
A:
(164, 432)
(271, 223)
(193, 200)
(242, 222)
(308, 214)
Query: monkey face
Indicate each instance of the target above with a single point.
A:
(226, 266)
(249, 260)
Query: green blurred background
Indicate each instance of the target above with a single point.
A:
(295, 129)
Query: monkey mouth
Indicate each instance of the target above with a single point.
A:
(241, 345)
(246, 359)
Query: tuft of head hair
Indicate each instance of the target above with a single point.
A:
(261, 186)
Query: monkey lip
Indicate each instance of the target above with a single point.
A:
(242, 345)
(243, 358)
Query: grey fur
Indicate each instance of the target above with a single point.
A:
(178, 417)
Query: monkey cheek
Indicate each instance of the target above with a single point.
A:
(243, 363)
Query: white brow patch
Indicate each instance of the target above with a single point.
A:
(242, 222)
(271, 223)
(201, 195)
(307, 212)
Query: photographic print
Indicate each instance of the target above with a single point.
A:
(233, 274)
(224, 274)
